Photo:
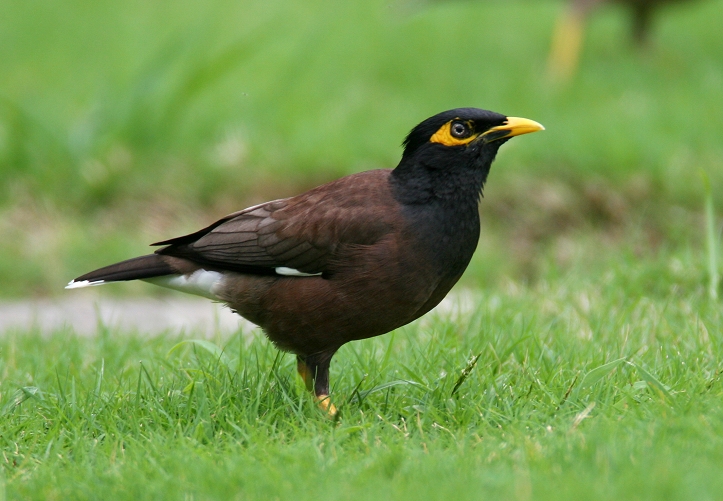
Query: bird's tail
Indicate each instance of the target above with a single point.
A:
(148, 266)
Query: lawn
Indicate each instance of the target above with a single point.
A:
(583, 360)
(581, 389)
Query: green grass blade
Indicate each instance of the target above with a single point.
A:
(465, 373)
(390, 384)
(598, 373)
(652, 381)
(215, 350)
(711, 239)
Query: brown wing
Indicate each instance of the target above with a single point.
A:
(304, 233)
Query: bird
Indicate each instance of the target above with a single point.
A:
(568, 34)
(354, 258)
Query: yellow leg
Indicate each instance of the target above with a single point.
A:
(566, 45)
(305, 373)
(314, 370)
(325, 405)
(567, 39)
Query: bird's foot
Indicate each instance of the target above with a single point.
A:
(324, 402)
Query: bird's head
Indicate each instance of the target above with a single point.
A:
(450, 154)
(463, 135)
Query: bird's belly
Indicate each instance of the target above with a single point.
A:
(307, 315)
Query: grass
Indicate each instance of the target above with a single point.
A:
(581, 388)
(711, 241)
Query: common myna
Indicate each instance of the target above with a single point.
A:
(351, 259)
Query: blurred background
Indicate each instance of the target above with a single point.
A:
(124, 123)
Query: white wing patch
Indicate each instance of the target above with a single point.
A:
(291, 272)
(83, 283)
(200, 282)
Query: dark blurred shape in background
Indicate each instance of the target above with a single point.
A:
(569, 31)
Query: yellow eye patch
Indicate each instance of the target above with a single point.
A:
(444, 135)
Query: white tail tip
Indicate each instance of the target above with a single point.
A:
(83, 283)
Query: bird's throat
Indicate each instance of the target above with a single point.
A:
(460, 188)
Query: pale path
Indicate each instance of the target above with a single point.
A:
(177, 313)
(83, 312)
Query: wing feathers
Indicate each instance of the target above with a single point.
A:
(303, 233)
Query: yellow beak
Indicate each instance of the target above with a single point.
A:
(514, 126)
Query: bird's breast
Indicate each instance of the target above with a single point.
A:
(447, 237)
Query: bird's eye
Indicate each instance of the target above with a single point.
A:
(459, 130)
